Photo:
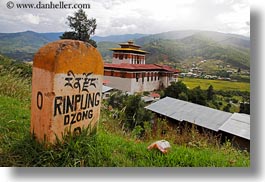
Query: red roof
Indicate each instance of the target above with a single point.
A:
(140, 67)
(155, 95)
(168, 68)
(105, 82)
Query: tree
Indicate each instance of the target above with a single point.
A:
(135, 113)
(183, 96)
(198, 96)
(244, 108)
(175, 89)
(82, 28)
(210, 93)
(117, 99)
(227, 107)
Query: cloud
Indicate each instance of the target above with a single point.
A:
(135, 16)
(237, 20)
(29, 19)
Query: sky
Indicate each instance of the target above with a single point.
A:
(116, 17)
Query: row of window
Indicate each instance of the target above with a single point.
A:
(126, 56)
(149, 76)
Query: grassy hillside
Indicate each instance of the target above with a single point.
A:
(104, 149)
(104, 47)
(110, 147)
(23, 45)
(178, 51)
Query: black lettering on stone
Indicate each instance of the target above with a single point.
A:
(39, 100)
(83, 104)
(90, 100)
(70, 104)
(97, 99)
(90, 114)
(57, 105)
(70, 77)
(77, 100)
(92, 82)
(66, 119)
(85, 115)
(73, 118)
(79, 116)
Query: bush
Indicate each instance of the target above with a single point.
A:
(175, 89)
(135, 114)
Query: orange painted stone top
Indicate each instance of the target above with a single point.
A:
(59, 56)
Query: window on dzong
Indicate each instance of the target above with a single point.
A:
(123, 74)
(137, 76)
(143, 77)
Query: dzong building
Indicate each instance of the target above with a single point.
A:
(128, 71)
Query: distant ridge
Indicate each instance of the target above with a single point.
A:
(23, 45)
(172, 47)
(118, 38)
(226, 38)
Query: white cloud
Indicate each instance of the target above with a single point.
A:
(237, 21)
(135, 16)
(29, 19)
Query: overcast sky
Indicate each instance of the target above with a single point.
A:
(134, 16)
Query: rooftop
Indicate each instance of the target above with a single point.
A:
(237, 124)
(142, 67)
(106, 88)
(129, 47)
(129, 50)
(129, 43)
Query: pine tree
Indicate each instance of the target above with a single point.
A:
(82, 27)
(210, 93)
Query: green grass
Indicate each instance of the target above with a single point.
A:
(15, 87)
(105, 149)
(217, 84)
(110, 147)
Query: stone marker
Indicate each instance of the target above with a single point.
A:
(66, 89)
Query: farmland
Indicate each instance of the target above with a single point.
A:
(217, 84)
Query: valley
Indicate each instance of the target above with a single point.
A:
(180, 49)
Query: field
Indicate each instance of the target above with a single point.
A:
(217, 84)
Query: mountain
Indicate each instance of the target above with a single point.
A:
(104, 47)
(118, 38)
(172, 47)
(222, 38)
(197, 46)
(171, 35)
(23, 45)
(178, 46)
